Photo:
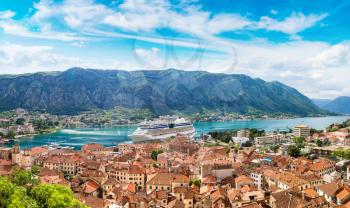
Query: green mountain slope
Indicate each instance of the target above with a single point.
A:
(163, 92)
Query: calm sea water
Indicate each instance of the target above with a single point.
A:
(112, 136)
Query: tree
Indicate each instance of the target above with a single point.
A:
(313, 131)
(223, 136)
(195, 182)
(293, 151)
(155, 153)
(326, 142)
(6, 190)
(11, 134)
(35, 170)
(274, 148)
(298, 140)
(20, 121)
(247, 144)
(54, 196)
(319, 143)
(41, 196)
(20, 199)
(20, 177)
(339, 152)
(256, 133)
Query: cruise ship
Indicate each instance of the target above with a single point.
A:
(163, 128)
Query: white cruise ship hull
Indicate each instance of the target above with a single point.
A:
(139, 137)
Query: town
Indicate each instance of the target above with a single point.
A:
(301, 168)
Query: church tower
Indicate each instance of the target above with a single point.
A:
(26, 159)
(16, 154)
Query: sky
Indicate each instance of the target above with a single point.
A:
(304, 44)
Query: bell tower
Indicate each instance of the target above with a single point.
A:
(27, 158)
(16, 154)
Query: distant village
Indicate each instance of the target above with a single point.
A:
(299, 169)
(18, 123)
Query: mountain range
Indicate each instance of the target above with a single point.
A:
(338, 105)
(163, 92)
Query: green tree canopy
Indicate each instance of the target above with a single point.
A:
(155, 153)
(11, 134)
(20, 121)
(35, 170)
(195, 182)
(40, 196)
(20, 177)
(293, 151)
(319, 143)
(298, 140)
(54, 196)
(6, 191)
(341, 153)
(274, 148)
(20, 199)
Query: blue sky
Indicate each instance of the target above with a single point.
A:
(304, 44)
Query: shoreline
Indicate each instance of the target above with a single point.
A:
(112, 137)
(38, 133)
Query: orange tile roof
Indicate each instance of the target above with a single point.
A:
(311, 193)
(343, 194)
(161, 195)
(91, 186)
(291, 180)
(321, 164)
(38, 150)
(94, 202)
(92, 146)
(243, 179)
(168, 178)
(135, 169)
(209, 179)
(329, 188)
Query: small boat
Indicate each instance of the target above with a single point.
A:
(9, 141)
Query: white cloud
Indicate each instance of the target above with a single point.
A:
(15, 58)
(150, 58)
(16, 29)
(272, 11)
(150, 15)
(292, 25)
(227, 22)
(7, 14)
(139, 15)
(334, 56)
